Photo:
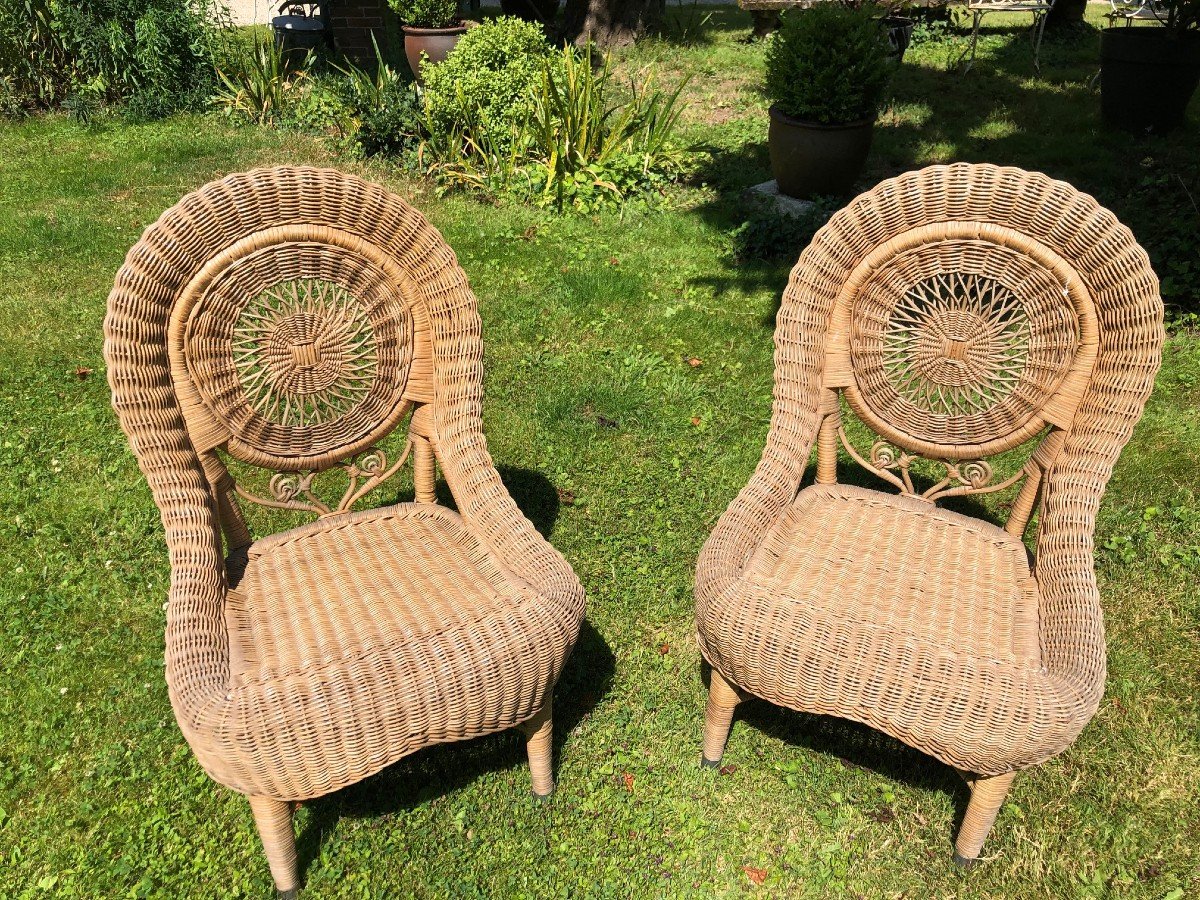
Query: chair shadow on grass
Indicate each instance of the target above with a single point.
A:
(854, 746)
(443, 769)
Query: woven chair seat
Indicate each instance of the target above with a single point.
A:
(329, 620)
(373, 585)
(906, 569)
(909, 602)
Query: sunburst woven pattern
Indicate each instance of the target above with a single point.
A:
(298, 349)
(305, 352)
(960, 343)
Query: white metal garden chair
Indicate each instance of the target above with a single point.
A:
(980, 8)
(1130, 11)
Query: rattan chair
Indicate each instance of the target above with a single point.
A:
(289, 319)
(958, 313)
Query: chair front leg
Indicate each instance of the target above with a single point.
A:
(723, 698)
(274, 821)
(539, 744)
(987, 794)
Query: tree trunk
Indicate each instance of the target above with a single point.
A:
(610, 23)
(1066, 13)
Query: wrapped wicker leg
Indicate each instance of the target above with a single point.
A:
(539, 744)
(274, 821)
(723, 699)
(987, 795)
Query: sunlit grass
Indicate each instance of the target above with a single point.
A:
(589, 323)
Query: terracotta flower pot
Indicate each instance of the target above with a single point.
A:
(1147, 78)
(434, 44)
(808, 159)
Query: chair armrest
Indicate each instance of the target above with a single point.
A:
(795, 420)
(485, 504)
(1071, 618)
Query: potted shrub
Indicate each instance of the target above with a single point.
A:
(827, 68)
(1148, 75)
(431, 29)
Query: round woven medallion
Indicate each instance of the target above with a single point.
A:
(300, 349)
(305, 352)
(959, 343)
(956, 344)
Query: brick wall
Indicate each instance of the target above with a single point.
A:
(353, 22)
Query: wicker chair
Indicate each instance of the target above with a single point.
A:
(289, 319)
(958, 313)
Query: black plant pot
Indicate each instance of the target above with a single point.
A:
(900, 31)
(1147, 78)
(808, 159)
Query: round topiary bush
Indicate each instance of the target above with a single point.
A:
(486, 84)
(829, 64)
(426, 13)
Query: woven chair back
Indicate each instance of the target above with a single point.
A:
(291, 315)
(961, 312)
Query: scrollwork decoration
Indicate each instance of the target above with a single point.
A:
(295, 490)
(894, 465)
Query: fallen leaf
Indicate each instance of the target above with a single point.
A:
(695, 420)
(566, 498)
(529, 233)
(883, 815)
(758, 876)
(695, 361)
(628, 779)
(605, 422)
(613, 261)
(727, 770)
(565, 269)
(664, 648)
(82, 372)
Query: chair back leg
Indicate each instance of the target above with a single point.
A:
(274, 821)
(987, 794)
(539, 744)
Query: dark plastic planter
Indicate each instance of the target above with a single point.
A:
(296, 36)
(1147, 78)
(900, 31)
(809, 159)
(435, 43)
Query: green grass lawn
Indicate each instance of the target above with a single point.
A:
(624, 455)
